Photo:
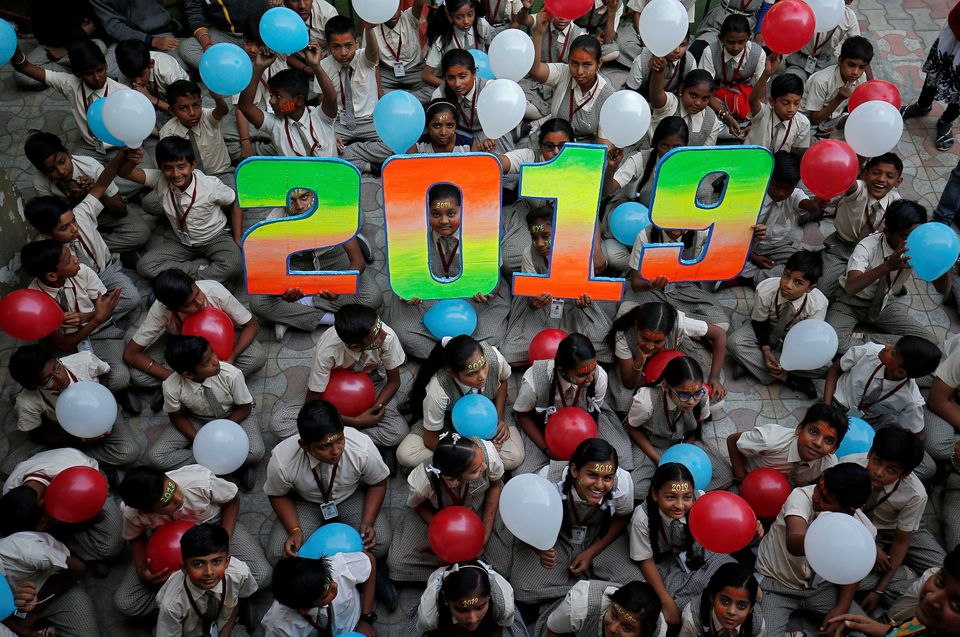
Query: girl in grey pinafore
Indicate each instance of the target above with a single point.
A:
(555, 47)
(713, 20)
(636, 598)
(584, 523)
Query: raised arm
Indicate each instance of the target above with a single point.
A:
(539, 72)
(371, 49)
(329, 102)
(759, 94)
(245, 103)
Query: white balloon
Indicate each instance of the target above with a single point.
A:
(625, 118)
(221, 446)
(376, 11)
(511, 54)
(531, 508)
(86, 409)
(810, 344)
(873, 128)
(828, 13)
(129, 116)
(663, 26)
(839, 548)
(500, 106)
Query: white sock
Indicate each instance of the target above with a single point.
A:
(327, 319)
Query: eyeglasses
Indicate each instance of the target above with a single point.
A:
(689, 395)
(51, 380)
(551, 147)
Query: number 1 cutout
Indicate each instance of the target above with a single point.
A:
(334, 220)
(573, 179)
(675, 206)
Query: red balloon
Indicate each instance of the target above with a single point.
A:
(788, 26)
(456, 534)
(76, 495)
(829, 167)
(163, 547)
(214, 325)
(654, 367)
(874, 90)
(765, 490)
(566, 429)
(568, 9)
(544, 345)
(352, 393)
(722, 522)
(29, 315)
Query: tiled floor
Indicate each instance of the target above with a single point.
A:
(902, 33)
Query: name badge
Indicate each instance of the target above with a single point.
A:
(184, 238)
(329, 510)
(556, 308)
(811, 64)
(578, 534)
(85, 345)
(399, 70)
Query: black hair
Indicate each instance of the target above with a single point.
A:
(833, 416)
(640, 600)
(292, 81)
(666, 473)
(951, 563)
(439, 25)
(591, 450)
(26, 365)
(40, 258)
(452, 58)
(786, 84)
(133, 57)
(572, 352)
(806, 262)
(84, 56)
(786, 166)
(644, 88)
(857, 47)
(462, 581)
(204, 539)
(887, 158)
(251, 28)
(184, 353)
(696, 77)
(586, 43)
(299, 582)
(452, 356)
(894, 444)
(44, 213)
(173, 148)
(439, 105)
(668, 127)
(338, 25)
(454, 455)
(734, 575)
(543, 214)
(173, 288)
(142, 487)
(557, 125)
(920, 357)
(182, 88)
(317, 420)
(40, 145)
(734, 23)
(655, 316)
(904, 214)
(20, 510)
(444, 191)
(849, 484)
(353, 323)
(680, 370)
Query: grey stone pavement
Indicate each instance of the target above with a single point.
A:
(902, 32)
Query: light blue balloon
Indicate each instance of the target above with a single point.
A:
(859, 437)
(693, 458)
(933, 249)
(627, 220)
(450, 317)
(283, 30)
(482, 61)
(331, 539)
(6, 599)
(226, 69)
(96, 125)
(399, 120)
(8, 41)
(475, 415)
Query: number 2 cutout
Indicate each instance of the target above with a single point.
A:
(334, 220)
(730, 221)
(573, 179)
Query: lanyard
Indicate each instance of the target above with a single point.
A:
(886, 496)
(666, 410)
(178, 209)
(576, 516)
(325, 491)
(817, 44)
(736, 71)
(864, 406)
(777, 306)
(313, 136)
(576, 395)
(563, 49)
(395, 54)
(196, 608)
(476, 39)
(571, 111)
(445, 263)
(473, 108)
(89, 251)
(868, 217)
(320, 629)
(83, 93)
(773, 130)
(496, 11)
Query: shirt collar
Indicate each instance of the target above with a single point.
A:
(666, 520)
(716, 624)
(727, 57)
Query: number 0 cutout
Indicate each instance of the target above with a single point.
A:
(406, 181)
(335, 219)
(573, 179)
(675, 206)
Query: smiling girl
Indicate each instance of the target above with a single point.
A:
(597, 609)
(726, 606)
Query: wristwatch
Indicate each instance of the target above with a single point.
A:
(369, 618)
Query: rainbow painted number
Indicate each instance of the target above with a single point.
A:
(573, 180)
